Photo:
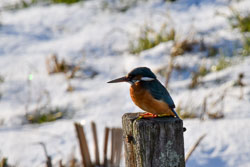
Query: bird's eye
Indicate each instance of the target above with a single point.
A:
(135, 80)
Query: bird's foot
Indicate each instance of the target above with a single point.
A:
(149, 115)
(164, 115)
(146, 115)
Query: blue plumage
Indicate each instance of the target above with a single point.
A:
(142, 71)
(159, 92)
(143, 79)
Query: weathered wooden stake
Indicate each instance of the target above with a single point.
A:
(105, 149)
(97, 159)
(156, 142)
(86, 161)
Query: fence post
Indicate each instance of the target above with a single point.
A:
(155, 142)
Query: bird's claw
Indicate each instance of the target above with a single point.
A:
(149, 115)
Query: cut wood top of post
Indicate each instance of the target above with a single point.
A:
(133, 117)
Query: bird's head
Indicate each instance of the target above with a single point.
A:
(136, 75)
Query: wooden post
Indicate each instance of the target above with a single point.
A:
(155, 142)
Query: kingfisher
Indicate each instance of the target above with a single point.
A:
(148, 93)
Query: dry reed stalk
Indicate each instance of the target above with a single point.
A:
(48, 158)
(204, 108)
(194, 147)
(169, 70)
(72, 162)
(61, 164)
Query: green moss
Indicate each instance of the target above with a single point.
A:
(26, 4)
(203, 71)
(222, 63)
(243, 24)
(150, 38)
(246, 46)
(41, 116)
(65, 1)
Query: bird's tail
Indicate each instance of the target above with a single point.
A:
(175, 113)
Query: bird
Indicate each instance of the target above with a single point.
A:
(148, 93)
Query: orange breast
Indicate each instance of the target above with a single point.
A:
(143, 99)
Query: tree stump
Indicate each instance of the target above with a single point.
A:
(154, 142)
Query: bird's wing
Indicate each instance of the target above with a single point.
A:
(159, 92)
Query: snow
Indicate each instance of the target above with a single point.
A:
(88, 35)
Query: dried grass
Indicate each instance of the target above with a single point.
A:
(54, 65)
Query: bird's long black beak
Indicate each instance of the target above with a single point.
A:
(122, 79)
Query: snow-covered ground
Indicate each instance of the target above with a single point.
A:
(92, 37)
